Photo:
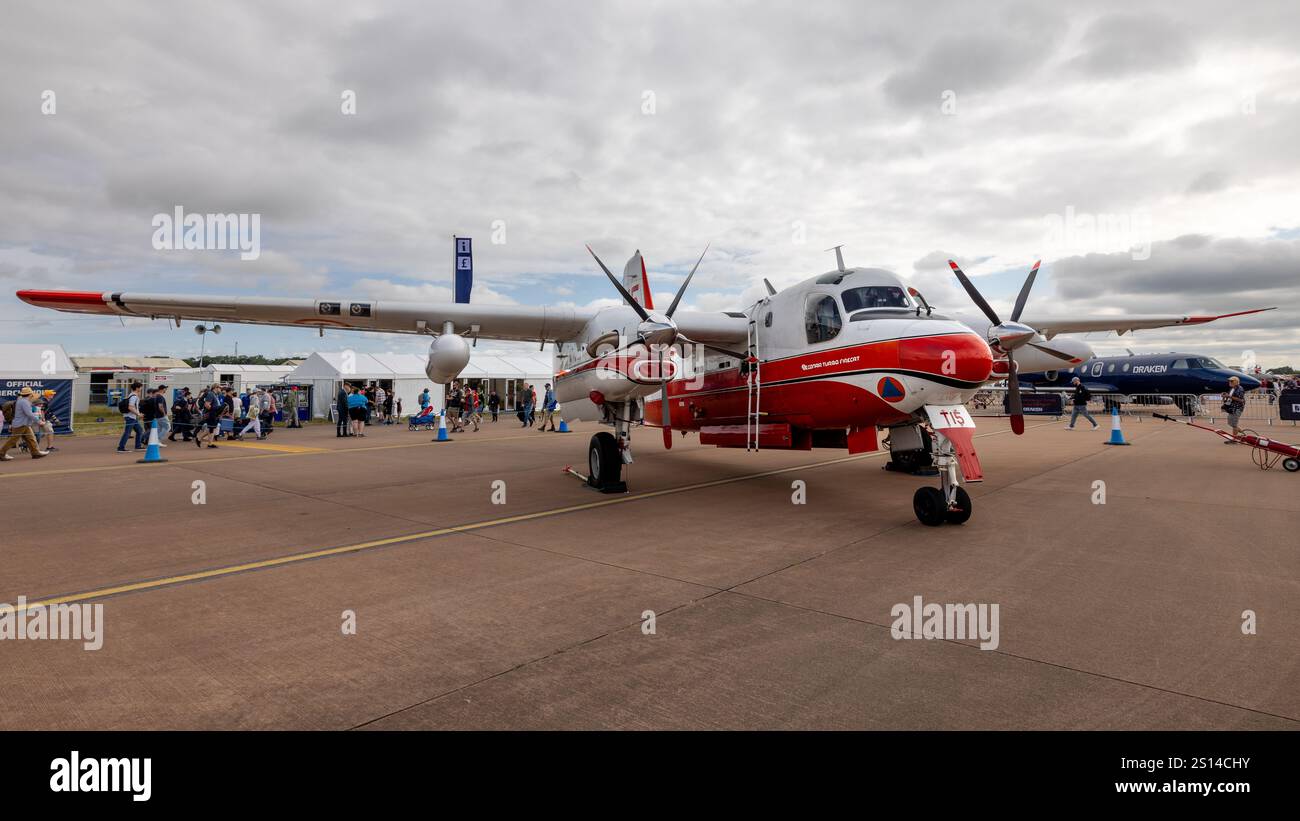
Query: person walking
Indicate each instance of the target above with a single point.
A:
(1080, 399)
(341, 403)
(356, 405)
(254, 414)
(381, 400)
(548, 409)
(455, 404)
(528, 400)
(210, 407)
(45, 421)
(130, 407)
(180, 417)
(291, 408)
(269, 408)
(494, 404)
(1234, 403)
(160, 413)
(22, 426)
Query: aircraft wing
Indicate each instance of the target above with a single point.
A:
(1052, 326)
(512, 322)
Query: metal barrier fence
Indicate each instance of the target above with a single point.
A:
(1262, 408)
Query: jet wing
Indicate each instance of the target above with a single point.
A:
(512, 322)
(1052, 326)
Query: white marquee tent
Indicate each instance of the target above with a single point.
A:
(405, 373)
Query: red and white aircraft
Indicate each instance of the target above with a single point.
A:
(824, 363)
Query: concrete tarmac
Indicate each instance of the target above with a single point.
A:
(535, 613)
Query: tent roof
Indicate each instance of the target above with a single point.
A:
(329, 365)
(21, 361)
(126, 363)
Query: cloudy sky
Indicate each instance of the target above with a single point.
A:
(1148, 153)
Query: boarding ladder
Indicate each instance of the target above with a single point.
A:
(754, 382)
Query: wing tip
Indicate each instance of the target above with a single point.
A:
(86, 302)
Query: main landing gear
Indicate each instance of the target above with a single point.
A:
(606, 455)
(948, 503)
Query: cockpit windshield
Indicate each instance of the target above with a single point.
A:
(875, 296)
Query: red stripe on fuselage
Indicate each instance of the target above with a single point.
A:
(802, 389)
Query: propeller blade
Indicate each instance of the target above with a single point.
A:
(1013, 393)
(1024, 292)
(975, 294)
(770, 290)
(636, 306)
(667, 418)
(682, 289)
(1064, 356)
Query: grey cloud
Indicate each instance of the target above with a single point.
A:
(1120, 44)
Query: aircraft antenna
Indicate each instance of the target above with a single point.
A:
(839, 258)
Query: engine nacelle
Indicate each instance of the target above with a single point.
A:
(448, 356)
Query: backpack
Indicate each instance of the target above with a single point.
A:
(125, 405)
(9, 408)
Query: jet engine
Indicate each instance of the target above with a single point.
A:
(448, 356)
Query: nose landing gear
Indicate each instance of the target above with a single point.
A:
(948, 503)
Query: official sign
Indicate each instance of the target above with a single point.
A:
(57, 393)
(464, 268)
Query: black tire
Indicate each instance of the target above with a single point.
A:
(1292, 464)
(604, 462)
(962, 511)
(930, 506)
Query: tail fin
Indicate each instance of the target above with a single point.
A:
(635, 281)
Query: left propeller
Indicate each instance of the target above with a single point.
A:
(658, 331)
(1005, 337)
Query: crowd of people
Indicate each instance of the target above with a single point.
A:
(30, 424)
(359, 405)
(218, 412)
(465, 406)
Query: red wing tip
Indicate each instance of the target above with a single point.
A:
(1196, 320)
(66, 300)
(953, 265)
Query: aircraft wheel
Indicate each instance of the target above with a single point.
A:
(930, 506)
(961, 513)
(603, 461)
(1292, 464)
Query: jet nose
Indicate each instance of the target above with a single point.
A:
(1250, 383)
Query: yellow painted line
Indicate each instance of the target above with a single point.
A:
(198, 575)
(280, 448)
(208, 459)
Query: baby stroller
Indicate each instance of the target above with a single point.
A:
(425, 420)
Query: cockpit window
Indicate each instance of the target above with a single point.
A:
(875, 296)
(821, 318)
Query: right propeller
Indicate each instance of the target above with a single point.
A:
(1005, 337)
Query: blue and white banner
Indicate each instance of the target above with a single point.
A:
(464, 268)
(58, 393)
